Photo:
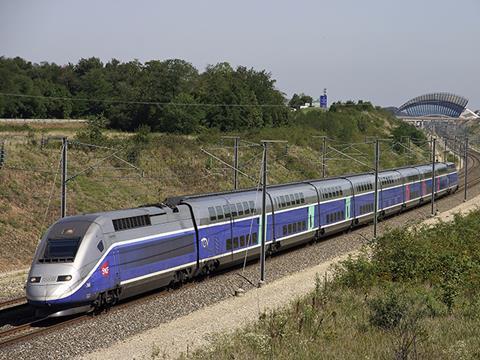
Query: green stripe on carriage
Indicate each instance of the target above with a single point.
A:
(260, 228)
(311, 217)
(348, 207)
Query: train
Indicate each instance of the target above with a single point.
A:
(91, 261)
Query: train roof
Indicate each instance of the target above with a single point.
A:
(176, 200)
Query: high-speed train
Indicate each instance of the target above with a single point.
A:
(91, 261)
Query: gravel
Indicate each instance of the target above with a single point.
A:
(122, 322)
(12, 284)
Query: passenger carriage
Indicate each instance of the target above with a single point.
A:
(97, 259)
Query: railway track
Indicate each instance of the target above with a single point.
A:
(36, 327)
(473, 173)
(33, 327)
(13, 303)
(28, 327)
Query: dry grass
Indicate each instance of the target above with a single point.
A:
(172, 165)
(412, 295)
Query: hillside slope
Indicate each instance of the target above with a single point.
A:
(171, 165)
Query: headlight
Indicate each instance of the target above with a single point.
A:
(64, 278)
(35, 279)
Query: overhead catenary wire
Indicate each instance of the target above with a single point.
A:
(52, 190)
(130, 102)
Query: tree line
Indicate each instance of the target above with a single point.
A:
(170, 95)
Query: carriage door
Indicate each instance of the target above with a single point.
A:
(347, 208)
(311, 217)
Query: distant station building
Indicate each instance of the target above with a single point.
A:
(435, 106)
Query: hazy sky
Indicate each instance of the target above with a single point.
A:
(386, 51)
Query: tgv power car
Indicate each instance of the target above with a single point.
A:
(90, 261)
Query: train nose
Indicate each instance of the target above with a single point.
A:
(44, 284)
(36, 292)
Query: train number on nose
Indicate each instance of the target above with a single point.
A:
(105, 269)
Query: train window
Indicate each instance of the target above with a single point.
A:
(240, 209)
(254, 238)
(341, 192)
(285, 231)
(245, 208)
(287, 199)
(297, 198)
(294, 227)
(289, 228)
(226, 210)
(252, 207)
(134, 222)
(233, 210)
(211, 212)
(248, 240)
(61, 248)
(282, 199)
(219, 212)
(302, 198)
(292, 199)
(242, 240)
(328, 218)
(229, 244)
(100, 246)
(235, 242)
(299, 226)
(131, 222)
(304, 225)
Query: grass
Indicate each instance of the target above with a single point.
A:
(172, 165)
(411, 295)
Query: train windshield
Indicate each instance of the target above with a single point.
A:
(61, 249)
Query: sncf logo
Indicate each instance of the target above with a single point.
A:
(105, 269)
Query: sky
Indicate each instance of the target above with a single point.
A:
(385, 51)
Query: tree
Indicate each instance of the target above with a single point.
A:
(180, 118)
(133, 94)
(295, 102)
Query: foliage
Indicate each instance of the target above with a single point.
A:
(351, 105)
(412, 295)
(141, 94)
(94, 132)
(299, 100)
(404, 131)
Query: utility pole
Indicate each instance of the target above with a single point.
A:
(236, 140)
(324, 153)
(235, 163)
(375, 205)
(445, 156)
(264, 212)
(2, 153)
(434, 140)
(466, 170)
(263, 230)
(63, 202)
